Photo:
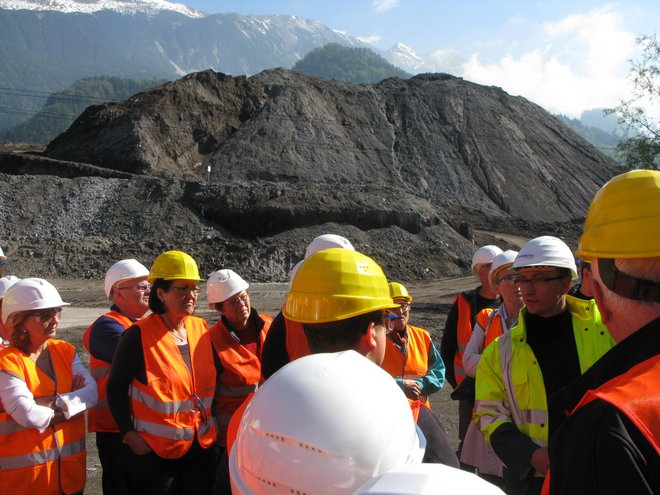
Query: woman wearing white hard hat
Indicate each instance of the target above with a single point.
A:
(44, 389)
(238, 339)
(489, 325)
(286, 339)
(5, 283)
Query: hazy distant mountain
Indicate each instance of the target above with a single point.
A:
(356, 65)
(438, 60)
(48, 45)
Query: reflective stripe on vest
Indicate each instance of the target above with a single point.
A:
(463, 334)
(56, 455)
(99, 418)
(42, 457)
(175, 403)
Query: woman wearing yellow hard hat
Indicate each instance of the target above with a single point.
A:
(162, 391)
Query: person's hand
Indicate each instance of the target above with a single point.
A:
(540, 460)
(78, 382)
(411, 389)
(136, 443)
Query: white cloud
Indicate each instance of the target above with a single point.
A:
(578, 63)
(383, 5)
(373, 39)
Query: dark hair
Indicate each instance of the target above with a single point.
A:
(340, 335)
(155, 304)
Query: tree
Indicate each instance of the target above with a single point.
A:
(642, 150)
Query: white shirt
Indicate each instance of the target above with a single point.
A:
(19, 402)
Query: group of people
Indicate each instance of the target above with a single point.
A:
(558, 385)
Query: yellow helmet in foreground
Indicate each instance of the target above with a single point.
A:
(337, 284)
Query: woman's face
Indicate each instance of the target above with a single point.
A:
(181, 297)
(40, 325)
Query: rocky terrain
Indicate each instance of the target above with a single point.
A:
(244, 172)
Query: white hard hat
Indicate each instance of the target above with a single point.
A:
(427, 479)
(484, 255)
(502, 260)
(546, 251)
(2, 255)
(223, 284)
(5, 283)
(123, 270)
(323, 424)
(327, 241)
(29, 294)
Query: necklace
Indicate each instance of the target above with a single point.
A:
(180, 339)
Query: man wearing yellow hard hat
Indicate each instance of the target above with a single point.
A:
(610, 443)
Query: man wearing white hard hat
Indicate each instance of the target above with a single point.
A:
(5, 283)
(458, 329)
(556, 339)
(286, 339)
(238, 339)
(126, 286)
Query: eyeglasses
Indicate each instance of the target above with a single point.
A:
(2, 261)
(241, 298)
(140, 287)
(184, 291)
(47, 315)
(509, 278)
(389, 321)
(535, 282)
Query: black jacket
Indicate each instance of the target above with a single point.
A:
(598, 450)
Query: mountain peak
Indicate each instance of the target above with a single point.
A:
(149, 7)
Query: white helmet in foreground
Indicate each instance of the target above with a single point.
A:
(30, 294)
(325, 423)
(427, 479)
(123, 270)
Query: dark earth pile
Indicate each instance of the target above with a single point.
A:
(406, 169)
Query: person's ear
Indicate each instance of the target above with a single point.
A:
(601, 302)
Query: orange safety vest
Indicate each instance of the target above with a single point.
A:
(296, 340)
(52, 462)
(463, 334)
(241, 373)
(175, 405)
(414, 362)
(634, 394)
(492, 324)
(100, 418)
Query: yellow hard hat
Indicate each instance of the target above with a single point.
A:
(337, 284)
(399, 291)
(174, 265)
(624, 218)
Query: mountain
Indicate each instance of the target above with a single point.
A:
(243, 172)
(90, 6)
(44, 51)
(438, 60)
(63, 107)
(356, 65)
(606, 142)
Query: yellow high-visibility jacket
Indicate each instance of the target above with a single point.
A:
(510, 387)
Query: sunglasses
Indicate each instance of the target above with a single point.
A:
(47, 315)
(389, 321)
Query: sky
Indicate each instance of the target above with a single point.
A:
(567, 56)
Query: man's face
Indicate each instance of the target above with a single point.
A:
(237, 309)
(543, 290)
(505, 285)
(132, 296)
(403, 313)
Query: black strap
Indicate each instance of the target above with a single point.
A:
(626, 285)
